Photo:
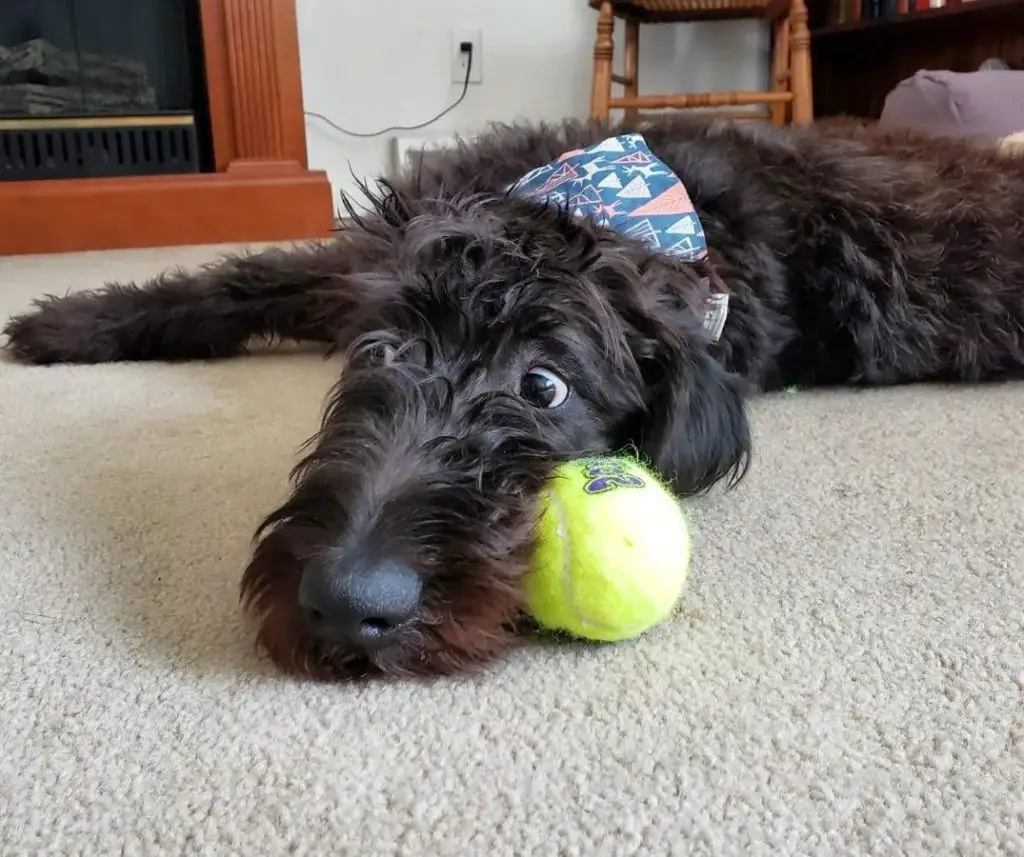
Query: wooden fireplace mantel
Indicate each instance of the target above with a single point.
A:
(262, 188)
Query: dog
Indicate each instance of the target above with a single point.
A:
(489, 336)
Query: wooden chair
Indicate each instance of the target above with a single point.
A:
(790, 98)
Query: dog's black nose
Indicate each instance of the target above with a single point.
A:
(363, 605)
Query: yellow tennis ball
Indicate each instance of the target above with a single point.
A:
(613, 551)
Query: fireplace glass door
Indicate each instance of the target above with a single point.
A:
(93, 88)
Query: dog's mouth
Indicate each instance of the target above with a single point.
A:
(468, 614)
(422, 650)
(334, 662)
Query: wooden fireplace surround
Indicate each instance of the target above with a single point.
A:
(261, 190)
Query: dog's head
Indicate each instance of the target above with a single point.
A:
(497, 338)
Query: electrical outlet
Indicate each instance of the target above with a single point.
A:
(460, 59)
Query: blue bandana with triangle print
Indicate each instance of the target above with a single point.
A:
(620, 184)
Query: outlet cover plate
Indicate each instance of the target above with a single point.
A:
(474, 37)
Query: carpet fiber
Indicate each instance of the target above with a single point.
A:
(845, 675)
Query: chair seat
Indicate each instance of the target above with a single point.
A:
(672, 11)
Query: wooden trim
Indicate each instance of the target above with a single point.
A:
(261, 188)
(66, 215)
(55, 123)
(218, 82)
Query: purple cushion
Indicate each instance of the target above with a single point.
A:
(976, 103)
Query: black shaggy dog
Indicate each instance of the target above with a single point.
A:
(489, 338)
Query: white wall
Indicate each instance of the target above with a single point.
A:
(371, 64)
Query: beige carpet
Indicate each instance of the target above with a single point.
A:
(846, 675)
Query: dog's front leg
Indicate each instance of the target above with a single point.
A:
(301, 293)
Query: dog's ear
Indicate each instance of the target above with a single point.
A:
(695, 429)
(692, 425)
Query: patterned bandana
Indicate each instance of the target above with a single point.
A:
(620, 184)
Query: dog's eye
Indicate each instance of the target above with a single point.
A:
(380, 354)
(543, 388)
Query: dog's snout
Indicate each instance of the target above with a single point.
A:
(363, 605)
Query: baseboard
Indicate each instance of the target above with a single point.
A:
(58, 216)
(408, 149)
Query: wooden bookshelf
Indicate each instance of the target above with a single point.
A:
(856, 63)
(923, 17)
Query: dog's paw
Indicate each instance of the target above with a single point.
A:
(57, 330)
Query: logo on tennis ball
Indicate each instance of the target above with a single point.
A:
(603, 476)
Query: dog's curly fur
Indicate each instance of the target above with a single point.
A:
(852, 256)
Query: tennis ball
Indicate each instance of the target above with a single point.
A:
(612, 554)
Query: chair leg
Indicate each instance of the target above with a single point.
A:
(781, 76)
(800, 64)
(604, 49)
(632, 52)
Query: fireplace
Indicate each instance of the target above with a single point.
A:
(93, 88)
(152, 123)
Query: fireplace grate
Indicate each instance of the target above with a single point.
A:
(97, 147)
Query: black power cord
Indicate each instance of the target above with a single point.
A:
(464, 48)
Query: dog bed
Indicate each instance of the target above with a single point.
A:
(984, 103)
